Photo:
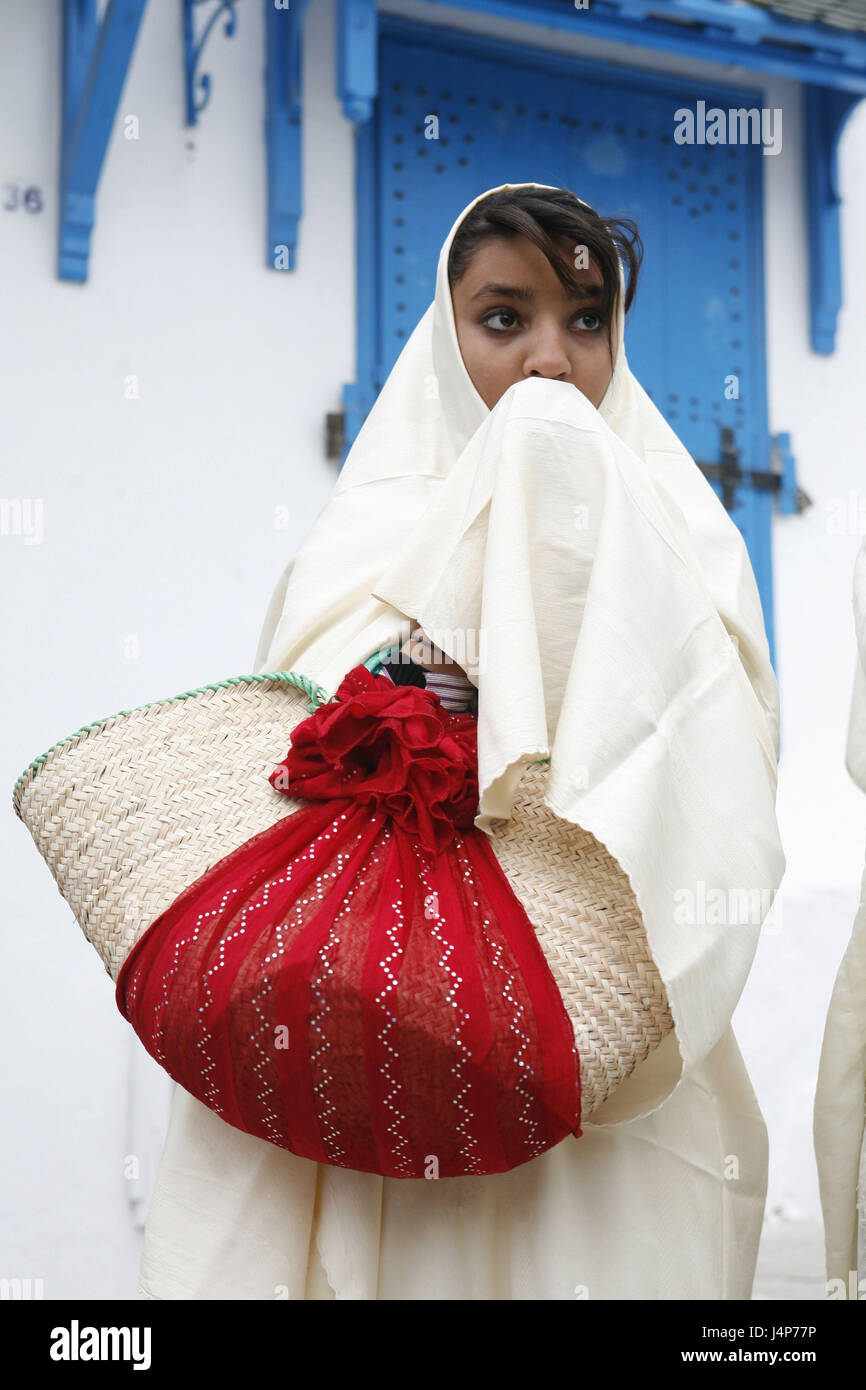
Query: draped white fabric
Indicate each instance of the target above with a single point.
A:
(840, 1095)
(540, 543)
(619, 632)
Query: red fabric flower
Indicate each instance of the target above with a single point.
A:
(393, 747)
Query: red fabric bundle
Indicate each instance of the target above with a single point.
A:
(359, 983)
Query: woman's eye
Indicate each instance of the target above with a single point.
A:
(596, 323)
(499, 314)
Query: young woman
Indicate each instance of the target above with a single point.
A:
(517, 516)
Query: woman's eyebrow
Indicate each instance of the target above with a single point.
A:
(491, 290)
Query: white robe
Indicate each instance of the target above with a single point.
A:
(840, 1096)
(664, 1207)
(662, 1196)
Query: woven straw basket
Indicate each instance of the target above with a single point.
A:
(130, 810)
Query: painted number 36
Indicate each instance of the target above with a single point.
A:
(28, 198)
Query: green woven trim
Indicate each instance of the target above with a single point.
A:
(375, 662)
(310, 687)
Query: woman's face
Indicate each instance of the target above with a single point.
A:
(515, 319)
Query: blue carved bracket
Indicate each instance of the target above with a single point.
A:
(283, 40)
(827, 110)
(193, 48)
(96, 57)
(357, 58)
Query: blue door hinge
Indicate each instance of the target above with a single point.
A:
(791, 498)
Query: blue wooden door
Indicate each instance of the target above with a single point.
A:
(695, 334)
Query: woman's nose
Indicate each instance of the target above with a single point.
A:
(547, 357)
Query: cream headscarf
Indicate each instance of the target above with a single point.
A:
(619, 632)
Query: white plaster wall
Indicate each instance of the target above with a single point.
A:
(161, 546)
